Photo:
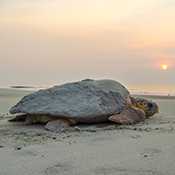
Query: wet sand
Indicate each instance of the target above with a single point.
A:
(147, 148)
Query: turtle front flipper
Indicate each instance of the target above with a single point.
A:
(130, 115)
(59, 125)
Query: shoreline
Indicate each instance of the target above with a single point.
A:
(155, 96)
(135, 91)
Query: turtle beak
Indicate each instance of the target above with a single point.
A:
(157, 107)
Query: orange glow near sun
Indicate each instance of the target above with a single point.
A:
(164, 66)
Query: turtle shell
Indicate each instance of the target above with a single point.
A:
(86, 100)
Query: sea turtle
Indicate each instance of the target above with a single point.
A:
(86, 101)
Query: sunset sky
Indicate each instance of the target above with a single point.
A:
(47, 42)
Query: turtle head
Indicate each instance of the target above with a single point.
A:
(149, 107)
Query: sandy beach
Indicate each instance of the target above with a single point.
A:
(105, 149)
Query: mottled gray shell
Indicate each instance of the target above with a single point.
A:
(84, 100)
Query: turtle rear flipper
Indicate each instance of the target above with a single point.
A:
(18, 118)
(130, 115)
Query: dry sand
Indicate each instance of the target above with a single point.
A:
(144, 149)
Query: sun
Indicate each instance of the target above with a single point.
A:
(164, 66)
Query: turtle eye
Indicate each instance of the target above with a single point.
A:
(150, 105)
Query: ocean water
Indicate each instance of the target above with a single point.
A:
(10, 96)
